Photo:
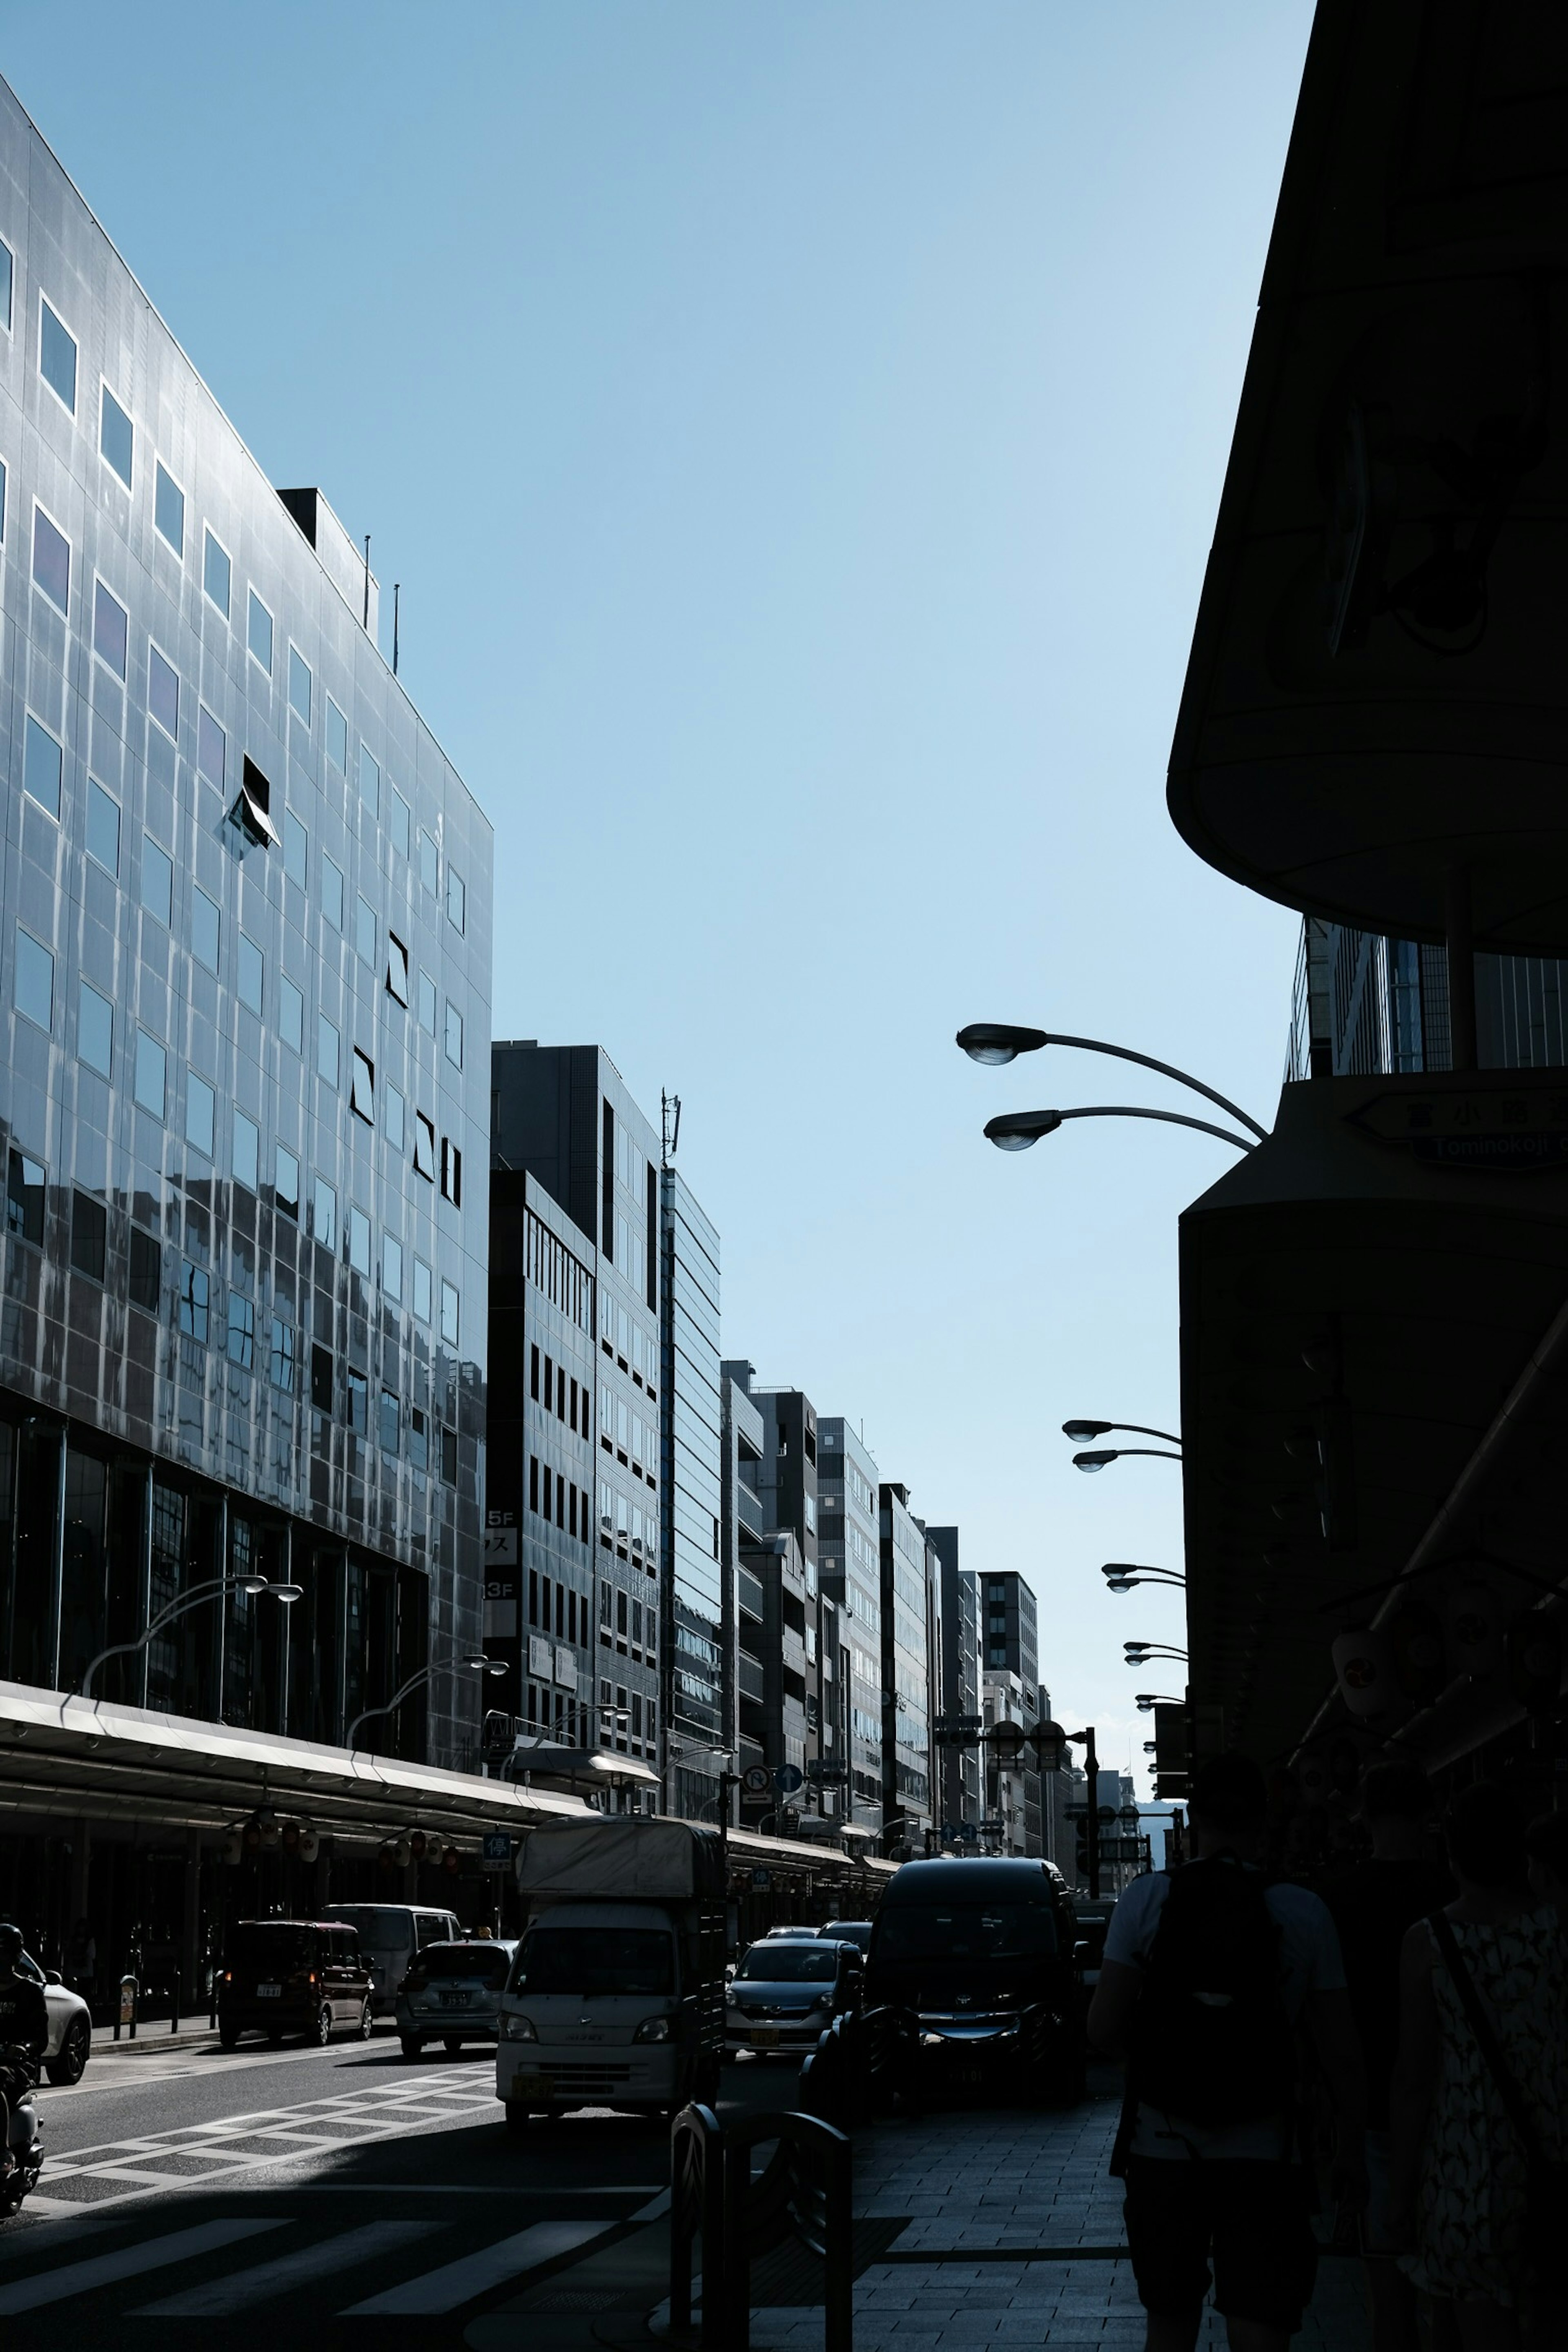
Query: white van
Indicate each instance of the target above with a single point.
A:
(391, 1935)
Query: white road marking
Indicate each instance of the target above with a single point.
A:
(127, 2261)
(459, 2282)
(130, 2072)
(242, 2289)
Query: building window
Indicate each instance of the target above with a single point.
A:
(337, 737)
(457, 901)
(452, 1172)
(241, 1331)
(396, 968)
(359, 1403)
(285, 1183)
(298, 685)
(423, 1148)
(280, 1361)
(329, 1047)
(146, 1271)
(392, 1266)
(364, 930)
(427, 1003)
(110, 629)
(157, 880)
(90, 1235)
(116, 436)
(332, 892)
(533, 1482)
(326, 1215)
(454, 1037)
(429, 864)
(195, 1294)
(204, 928)
(43, 762)
(215, 570)
(8, 277)
(102, 827)
(421, 1290)
(24, 1182)
(361, 1094)
(392, 1111)
(449, 1457)
(251, 975)
(419, 1441)
(200, 1106)
(95, 1031)
(296, 849)
(56, 356)
(359, 1241)
(258, 632)
(320, 1380)
(369, 780)
(212, 747)
(51, 561)
(169, 510)
(152, 1073)
(35, 980)
(162, 692)
(398, 821)
(391, 1422)
(247, 1152)
(449, 1330)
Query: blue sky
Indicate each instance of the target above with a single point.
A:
(798, 431)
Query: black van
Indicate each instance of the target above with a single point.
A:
(292, 1976)
(982, 1954)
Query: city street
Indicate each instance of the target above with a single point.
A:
(344, 2196)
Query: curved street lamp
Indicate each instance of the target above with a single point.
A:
(1138, 1654)
(1084, 1433)
(1147, 1701)
(211, 1590)
(1121, 1575)
(1016, 1130)
(995, 1042)
(1099, 1457)
(474, 1660)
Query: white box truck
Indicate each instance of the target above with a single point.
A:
(616, 1996)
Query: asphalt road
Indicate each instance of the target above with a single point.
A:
(339, 2197)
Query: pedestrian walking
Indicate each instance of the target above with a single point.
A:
(1210, 1978)
(1479, 2105)
(24, 2036)
(1375, 1902)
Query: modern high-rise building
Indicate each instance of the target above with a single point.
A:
(696, 1698)
(849, 1564)
(1010, 1626)
(960, 1779)
(908, 1670)
(742, 1523)
(245, 967)
(1364, 1005)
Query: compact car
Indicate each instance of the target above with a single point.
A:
(70, 2023)
(787, 1992)
(292, 1976)
(452, 1994)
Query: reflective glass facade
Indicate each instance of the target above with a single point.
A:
(244, 973)
(907, 1668)
(695, 1699)
(851, 1574)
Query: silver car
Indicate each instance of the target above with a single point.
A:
(70, 2023)
(452, 1995)
(787, 1992)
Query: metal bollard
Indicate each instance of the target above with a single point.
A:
(175, 2005)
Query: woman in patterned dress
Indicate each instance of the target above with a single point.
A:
(1457, 2192)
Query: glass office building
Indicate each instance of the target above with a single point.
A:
(696, 1708)
(906, 1669)
(244, 977)
(852, 1577)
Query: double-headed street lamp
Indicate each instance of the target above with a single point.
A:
(1147, 1701)
(997, 1043)
(1098, 1457)
(1138, 1654)
(474, 1661)
(1121, 1575)
(216, 1588)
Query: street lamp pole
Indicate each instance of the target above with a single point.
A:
(211, 1590)
(1016, 1130)
(995, 1042)
(473, 1660)
(1091, 1815)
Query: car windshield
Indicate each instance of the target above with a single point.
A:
(484, 1964)
(381, 1924)
(271, 1944)
(595, 1959)
(782, 1963)
(966, 1931)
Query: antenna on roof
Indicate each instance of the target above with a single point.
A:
(670, 1125)
(396, 593)
(367, 579)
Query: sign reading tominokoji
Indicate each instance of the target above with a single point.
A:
(1493, 1128)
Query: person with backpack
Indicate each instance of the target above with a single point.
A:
(1479, 2108)
(1211, 1976)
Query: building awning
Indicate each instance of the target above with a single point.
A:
(75, 1756)
(590, 1768)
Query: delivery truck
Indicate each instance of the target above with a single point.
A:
(616, 1997)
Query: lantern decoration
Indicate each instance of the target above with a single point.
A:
(251, 1835)
(1362, 1667)
(401, 1853)
(309, 1843)
(233, 1846)
(451, 1860)
(292, 1837)
(417, 1845)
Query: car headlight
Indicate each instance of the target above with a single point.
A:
(731, 2001)
(521, 2028)
(653, 2029)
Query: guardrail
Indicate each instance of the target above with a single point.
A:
(804, 2193)
(861, 2063)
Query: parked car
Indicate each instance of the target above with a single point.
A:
(292, 1976)
(982, 1954)
(787, 1992)
(391, 1935)
(848, 1931)
(452, 1995)
(70, 2024)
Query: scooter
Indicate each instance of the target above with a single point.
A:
(25, 2141)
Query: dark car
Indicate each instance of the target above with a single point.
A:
(848, 1931)
(981, 1955)
(292, 1976)
(1093, 1914)
(787, 1992)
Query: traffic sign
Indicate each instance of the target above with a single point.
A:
(757, 1780)
(788, 1778)
(762, 1880)
(497, 1855)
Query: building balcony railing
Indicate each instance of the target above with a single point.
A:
(749, 1509)
(750, 1677)
(749, 1591)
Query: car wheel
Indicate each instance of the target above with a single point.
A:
(366, 2021)
(323, 2030)
(412, 2047)
(228, 2036)
(71, 2064)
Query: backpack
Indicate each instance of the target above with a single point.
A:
(1210, 2040)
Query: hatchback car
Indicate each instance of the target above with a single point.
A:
(70, 2023)
(292, 1976)
(787, 1992)
(452, 1995)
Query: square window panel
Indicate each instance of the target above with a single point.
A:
(332, 892)
(4, 483)
(57, 355)
(51, 561)
(102, 827)
(325, 1219)
(7, 281)
(421, 1290)
(152, 1073)
(398, 823)
(162, 691)
(146, 1271)
(110, 629)
(249, 977)
(392, 1116)
(337, 737)
(246, 1151)
(329, 1047)
(212, 747)
(396, 968)
(26, 1180)
(454, 1037)
(215, 572)
(392, 1266)
(450, 1314)
(286, 1183)
(370, 780)
(429, 864)
(457, 901)
(35, 980)
(291, 1014)
(157, 880)
(423, 1148)
(205, 925)
(359, 1241)
(169, 510)
(95, 1031)
(298, 685)
(280, 1370)
(364, 930)
(258, 633)
(42, 763)
(296, 849)
(361, 1098)
(200, 1106)
(116, 436)
(428, 1002)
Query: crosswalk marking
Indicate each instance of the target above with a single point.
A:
(127, 2261)
(241, 2289)
(459, 2282)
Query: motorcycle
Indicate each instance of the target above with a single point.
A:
(24, 2139)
